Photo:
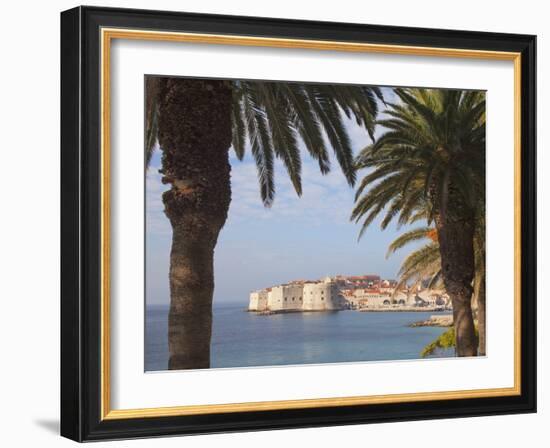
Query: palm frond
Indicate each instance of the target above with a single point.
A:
(406, 238)
(276, 116)
(239, 128)
(260, 142)
(282, 133)
(152, 86)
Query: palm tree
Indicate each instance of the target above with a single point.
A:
(195, 122)
(424, 264)
(431, 160)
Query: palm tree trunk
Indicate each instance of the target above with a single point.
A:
(455, 232)
(195, 136)
(457, 268)
(481, 316)
(479, 284)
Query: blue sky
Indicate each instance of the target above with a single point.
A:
(304, 237)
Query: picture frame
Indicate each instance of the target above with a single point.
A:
(86, 37)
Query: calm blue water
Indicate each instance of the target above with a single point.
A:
(243, 339)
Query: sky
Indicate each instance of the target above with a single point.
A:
(305, 237)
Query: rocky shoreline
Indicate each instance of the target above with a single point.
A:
(400, 309)
(444, 320)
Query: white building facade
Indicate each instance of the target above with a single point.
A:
(258, 300)
(285, 298)
(332, 294)
(303, 296)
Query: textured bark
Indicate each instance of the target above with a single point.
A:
(457, 268)
(481, 325)
(479, 283)
(455, 231)
(195, 136)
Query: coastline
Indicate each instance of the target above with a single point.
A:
(442, 320)
(400, 309)
(412, 309)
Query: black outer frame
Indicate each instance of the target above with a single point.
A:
(80, 223)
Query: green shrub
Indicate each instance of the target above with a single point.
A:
(445, 341)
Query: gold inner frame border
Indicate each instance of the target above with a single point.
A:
(107, 35)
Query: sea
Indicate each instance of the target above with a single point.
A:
(245, 339)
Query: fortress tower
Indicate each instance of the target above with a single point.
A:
(258, 300)
(285, 298)
(321, 296)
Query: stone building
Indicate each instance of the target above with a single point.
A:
(366, 298)
(287, 297)
(258, 300)
(340, 293)
(322, 295)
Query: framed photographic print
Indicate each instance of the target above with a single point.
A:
(275, 224)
